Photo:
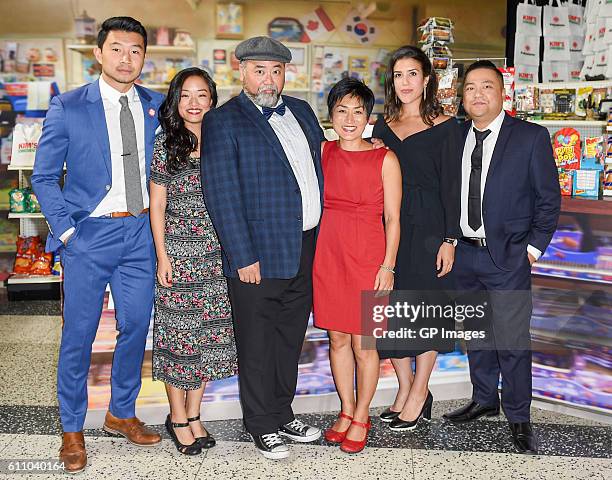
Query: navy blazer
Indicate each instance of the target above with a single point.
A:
(74, 132)
(522, 198)
(250, 191)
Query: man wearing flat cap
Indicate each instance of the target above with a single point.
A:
(262, 183)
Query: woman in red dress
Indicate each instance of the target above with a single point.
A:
(355, 252)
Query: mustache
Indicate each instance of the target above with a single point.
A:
(267, 87)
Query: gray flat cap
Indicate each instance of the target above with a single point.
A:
(262, 48)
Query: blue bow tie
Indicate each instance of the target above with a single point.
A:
(268, 111)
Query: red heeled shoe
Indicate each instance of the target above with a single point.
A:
(356, 446)
(334, 436)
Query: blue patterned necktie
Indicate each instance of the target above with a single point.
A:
(268, 111)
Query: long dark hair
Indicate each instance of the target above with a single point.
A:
(180, 142)
(430, 107)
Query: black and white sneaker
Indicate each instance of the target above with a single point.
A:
(299, 431)
(271, 445)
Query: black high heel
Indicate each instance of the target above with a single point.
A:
(399, 425)
(388, 415)
(193, 449)
(205, 442)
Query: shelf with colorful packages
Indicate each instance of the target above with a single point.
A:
(32, 265)
(572, 295)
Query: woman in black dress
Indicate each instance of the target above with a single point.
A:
(428, 146)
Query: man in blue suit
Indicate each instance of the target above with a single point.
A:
(262, 184)
(510, 203)
(103, 133)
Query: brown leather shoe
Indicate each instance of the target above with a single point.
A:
(72, 453)
(131, 428)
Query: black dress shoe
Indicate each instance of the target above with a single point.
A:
(388, 415)
(399, 425)
(471, 412)
(205, 442)
(524, 439)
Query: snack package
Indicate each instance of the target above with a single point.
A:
(508, 74)
(565, 100)
(41, 264)
(526, 99)
(32, 205)
(587, 183)
(607, 182)
(582, 100)
(547, 100)
(17, 201)
(566, 148)
(28, 248)
(566, 181)
(594, 153)
(433, 22)
(447, 90)
(56, 269)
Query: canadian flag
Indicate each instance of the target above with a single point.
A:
(316, 25)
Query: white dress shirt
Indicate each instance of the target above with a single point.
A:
(115, 200)
(487, 153)
(296, 148)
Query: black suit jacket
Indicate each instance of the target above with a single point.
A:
(522, 199)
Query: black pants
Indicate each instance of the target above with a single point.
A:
(270, 321)
(506, 348)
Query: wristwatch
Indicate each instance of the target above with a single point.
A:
(452, 241)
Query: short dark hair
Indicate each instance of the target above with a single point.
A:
(354, 88)
(486, 65)
(123, 24)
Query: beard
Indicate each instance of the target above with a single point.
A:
(264, 99)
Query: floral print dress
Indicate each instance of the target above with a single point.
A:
(193, 337)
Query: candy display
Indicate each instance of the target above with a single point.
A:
(566, 148)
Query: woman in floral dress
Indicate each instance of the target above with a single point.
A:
(193, 338)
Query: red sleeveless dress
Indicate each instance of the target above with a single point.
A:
(351, 241)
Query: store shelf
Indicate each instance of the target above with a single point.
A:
(20, 167)
(26, 215)
(150, 49)
(584, 205)
(22, 279)
(576, 122)
(595, 84)
(582, 274)
(150, 86)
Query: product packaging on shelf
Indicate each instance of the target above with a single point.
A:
(566, 148)
(587, 183)
(17, 201)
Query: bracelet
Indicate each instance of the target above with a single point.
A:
(387, 269)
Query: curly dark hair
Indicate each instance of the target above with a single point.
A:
(180, 142)
(430, 107)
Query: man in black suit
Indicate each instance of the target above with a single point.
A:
(510, 202)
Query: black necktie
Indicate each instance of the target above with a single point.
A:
(474, 217)
(268, 111)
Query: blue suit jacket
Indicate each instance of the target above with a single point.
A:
(75, 132)
(522, 199)
(250, 191)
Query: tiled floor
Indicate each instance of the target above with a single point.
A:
(571, 447)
